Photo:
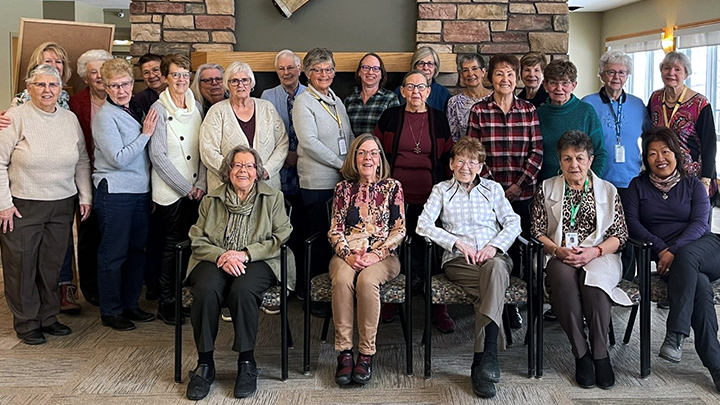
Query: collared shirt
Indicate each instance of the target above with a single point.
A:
(479, 218)
(512, 141)
(364, 117)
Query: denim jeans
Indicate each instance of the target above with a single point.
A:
(124, 222)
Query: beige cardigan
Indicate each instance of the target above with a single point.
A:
(221, 132)
(605, 271)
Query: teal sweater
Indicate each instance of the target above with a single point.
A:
(556, 120)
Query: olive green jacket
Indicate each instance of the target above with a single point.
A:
(269, 227)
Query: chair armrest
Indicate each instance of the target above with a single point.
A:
(642, 244)
(183, 245)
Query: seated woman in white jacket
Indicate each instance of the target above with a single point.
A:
(242, 120)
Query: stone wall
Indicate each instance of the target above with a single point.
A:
(493, 26)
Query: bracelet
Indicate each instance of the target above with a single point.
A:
(554, 251)
(600, 250)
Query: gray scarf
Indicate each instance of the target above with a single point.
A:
(236, 232)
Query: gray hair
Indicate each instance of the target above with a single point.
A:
(235, 68)
(577, 140)
(228, 161)
(43, 70)
(92, 55)
(195, 86)
(615, 57)
(316, 56)
(289, 54)
(415, 72)
(677, 57)
(469, 57)
(422, 53)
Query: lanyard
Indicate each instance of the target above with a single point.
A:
(575, 208)
(618, 119)
(674, 110)
(335, 115)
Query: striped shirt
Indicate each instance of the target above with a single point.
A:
(364, 117)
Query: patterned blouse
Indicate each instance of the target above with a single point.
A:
(586, 217)
(24, 97)
(367, 218)
(458, 113)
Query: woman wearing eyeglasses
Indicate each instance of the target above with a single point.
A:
(242, 120)
(427, 61)
(122, 196)
(208, 85)
(416, 139)
(472, 70)
(43, 166)
(368, 101)
(178, 177)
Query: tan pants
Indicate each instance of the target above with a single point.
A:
(486, 285)
(345, 283)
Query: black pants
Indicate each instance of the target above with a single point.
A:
(154, 249)
(177, 218)
(212, 288)
(691, 296)
(315, 220)
(88, 245)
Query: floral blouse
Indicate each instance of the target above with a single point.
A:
(586, 217)
(368, 218)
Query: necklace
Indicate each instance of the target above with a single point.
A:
(417, 149)
(675, 107)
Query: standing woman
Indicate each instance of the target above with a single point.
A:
(208, 85)
(532, 65)
(416, 139)
(52, 54)
(178, 177)
(43, 165)
(367, 102)
(427, 61)
(122, 197)
(242, 120)
(472, 70)
(690, 115)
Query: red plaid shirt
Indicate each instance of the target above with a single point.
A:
(512, 141)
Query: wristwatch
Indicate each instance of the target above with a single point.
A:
(247, 256)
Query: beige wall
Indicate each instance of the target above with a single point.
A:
(657, 14)
(86, 13)
(585, 48)
(10, 16)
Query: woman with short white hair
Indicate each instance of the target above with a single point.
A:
(242, 120)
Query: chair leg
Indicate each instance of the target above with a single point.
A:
(178, 314)
(403, 320)
(611, 333)
(630, 324)
(291, 342)
(326, 326)
(506, 328)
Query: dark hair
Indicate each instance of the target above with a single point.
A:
(383, 72)
(504, 58)
(228, 161)
(577, 140)
(560, 69)
(178, 59)
(148, 57)
(667, 135)
(469, 57)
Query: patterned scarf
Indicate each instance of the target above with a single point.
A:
(666, 184)
(236, 232)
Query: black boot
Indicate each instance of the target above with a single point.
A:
(584, 371)
(604, 374)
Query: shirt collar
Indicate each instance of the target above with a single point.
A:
(606, 99)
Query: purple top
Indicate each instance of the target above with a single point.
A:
(668, 223)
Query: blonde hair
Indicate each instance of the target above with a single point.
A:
(115, 67)
(349, 168)
(36, 58)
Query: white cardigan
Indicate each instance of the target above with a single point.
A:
(221, 132)
(605, 271)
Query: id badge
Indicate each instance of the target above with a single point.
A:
(342, 146)
(571, 240)
(619, 154)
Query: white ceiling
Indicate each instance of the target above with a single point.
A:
(589, 6)
(106, 3)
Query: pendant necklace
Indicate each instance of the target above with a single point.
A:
(417, 150)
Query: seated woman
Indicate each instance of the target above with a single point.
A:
(478, 227)
(367, 226)
(579, 218)
(670, 208)
(235, 257)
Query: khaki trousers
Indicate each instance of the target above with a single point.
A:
(486, 285)
(346, 284)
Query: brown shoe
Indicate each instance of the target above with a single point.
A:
(343, 374)
(68, 305)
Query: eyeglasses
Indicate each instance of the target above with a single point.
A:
(236, 82)
(562, 83)
(152, 72)
(367, 68)
(211, 80)
(177, 75)
(43, 85)
(472, 164)
(240, 166)
(373, 153)
(284, 69)
(618, 73)
(118, 86)
(327, 71)
(474, 69)
(412, 87)
(423, 64)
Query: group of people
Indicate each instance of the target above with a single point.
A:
(470, 172)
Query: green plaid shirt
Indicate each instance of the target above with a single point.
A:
(363, 118)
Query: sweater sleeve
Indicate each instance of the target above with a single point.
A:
(705, 127)
(306, 128)
(632, 217)
(107, 137)
(281, 141)
(83, 171)
(165, 169)
(9, 138)
(699, 213)
(211, 132)
(598, 140)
